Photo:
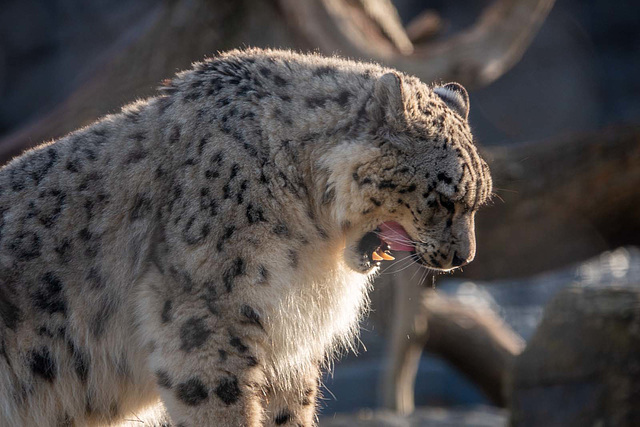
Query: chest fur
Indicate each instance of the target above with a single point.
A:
(316, 313)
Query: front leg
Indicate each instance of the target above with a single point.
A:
(206, 358)
(219, 384)
(294, 405)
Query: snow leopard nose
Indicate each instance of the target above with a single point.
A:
(458, 261)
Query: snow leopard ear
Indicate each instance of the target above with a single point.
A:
(456, 98)
(387, 103)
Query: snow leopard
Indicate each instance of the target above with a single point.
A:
(211, 248)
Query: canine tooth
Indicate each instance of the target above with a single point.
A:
(387, 256)
(376, 256)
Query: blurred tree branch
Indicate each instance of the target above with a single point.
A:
(186, 31)
(474, 57)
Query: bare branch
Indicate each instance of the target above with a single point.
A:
(474, 57)
(385, 14)
(425, 26)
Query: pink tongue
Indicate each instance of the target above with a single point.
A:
(395, 236)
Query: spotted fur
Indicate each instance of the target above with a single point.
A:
(202, 247)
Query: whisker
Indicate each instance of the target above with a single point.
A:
(404, 268)
(395, 267)
(413, 261)
(398, 239)
(423, 278)
(506, 190)
(395, 263)
(405, 242)
(414, 274)
(498, 196)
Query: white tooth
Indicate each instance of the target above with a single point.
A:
(376, 256)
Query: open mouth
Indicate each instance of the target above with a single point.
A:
(374, 247)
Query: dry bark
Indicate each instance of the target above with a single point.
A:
(474, 57)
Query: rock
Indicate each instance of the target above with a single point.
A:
(582, 366)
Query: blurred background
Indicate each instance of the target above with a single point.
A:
(555, 105)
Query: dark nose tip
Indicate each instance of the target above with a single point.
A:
(457, 261)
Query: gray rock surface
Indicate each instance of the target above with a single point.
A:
(582, 365)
